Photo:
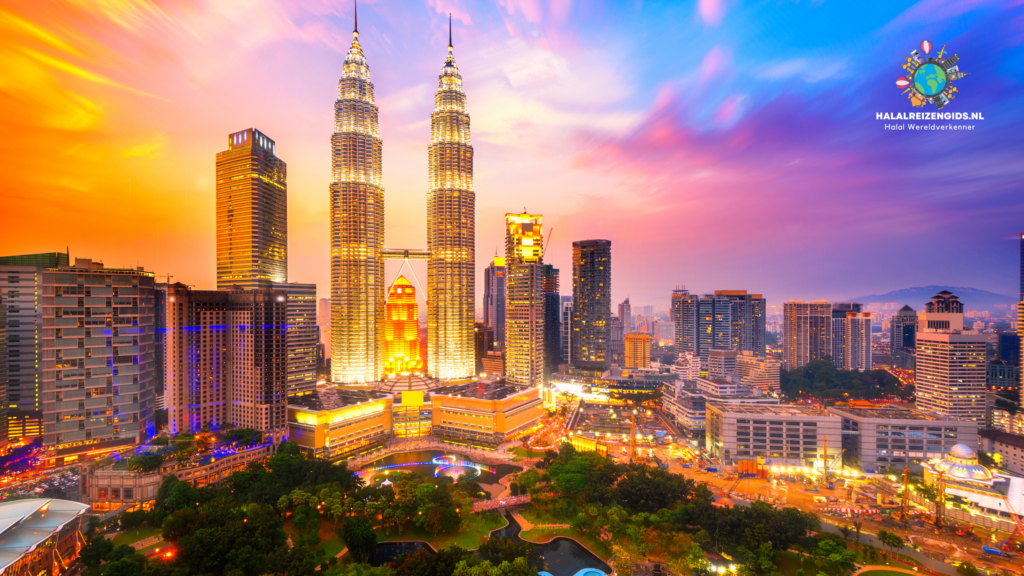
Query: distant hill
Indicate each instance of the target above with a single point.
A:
(973, 298)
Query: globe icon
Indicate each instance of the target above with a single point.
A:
(930, 79)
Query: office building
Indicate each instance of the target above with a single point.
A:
(748, 320)
(451, 231)
(722, 364)
(524, 304)
(1020, 334)
(839, 312)
(807, 332)
(638, 350)
(592, 304)
(714, 325)
(97, 360)
(4, 442)
(780, 434)
(758, 372)
(880, 438)
(323, 322)
(494, 363)
(1002, 376)
(484, 341)
(159, 342)
(616, 348)
(22, 294)
(494, 299)
(857, 339)
(626, 316)
(252, 213)
(357, 227)
(41, 536)
(1008, 347)
(226, 360)
(951, 376)
(552, 319)
(944, 312)
(566, 328)
(301, 337)
(684, 316)
(401, 329)
(902, 330)
(1005, 448)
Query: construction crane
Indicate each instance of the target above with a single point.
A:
(902, 515)
(1017, 535)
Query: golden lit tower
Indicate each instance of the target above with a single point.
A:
(401, 329)
(524, 302)
(252, 213)
(451, 285)
(357, 227)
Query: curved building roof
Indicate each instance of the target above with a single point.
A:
(961, 463)
(24, 524)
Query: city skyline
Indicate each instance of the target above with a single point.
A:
(561, 126)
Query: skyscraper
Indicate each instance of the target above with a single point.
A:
(524, 304)
(357, 227)
(858, 341)
(748, 320)
(451, 231)
(807, 332)
(592, 302)
(714, 325)
(97, 387)
(301, 337)
(402, 329)
(20, 284)
(494, 299)
(1022, 267)
(4, 440)
(552, 319)
(902, 329)
(684, 316)
(227, 360)
(566, 328)
(951, 375)
(252, 213)
(626, 316)
(839, 331)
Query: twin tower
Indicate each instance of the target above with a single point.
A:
(357, 230)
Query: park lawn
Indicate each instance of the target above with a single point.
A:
(790, 562)
(332, 547)
(525, 453)
(130, 536)
(545, 535)
(475, 530)
(330, 542)
(537, 516)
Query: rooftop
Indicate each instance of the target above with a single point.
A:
(1004, 437)
(886, 413)
(482, 390)
(24, 524)
(769, 409)
(332, 398)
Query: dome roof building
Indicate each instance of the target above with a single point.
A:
(961, 464)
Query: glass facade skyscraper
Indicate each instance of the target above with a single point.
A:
(524, 304)
(494, 300)
(592, 302)
(552, 321)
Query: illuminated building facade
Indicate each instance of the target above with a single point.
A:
(98, 366)
(748, 320)
(401, 329)
(951, 376)
(684, 316)
(494, 299)
(451, 231)
(252, 213)
(301, 336)
(858, 341)
(565, 312)
(226, 360)
(20, 278)
(524, 304)
(40, 536)
(638, 350)
(806, 332)
(357, 227)
(592, 302)
(334, 423)
(3, 375)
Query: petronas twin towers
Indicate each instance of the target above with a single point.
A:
(357, 230)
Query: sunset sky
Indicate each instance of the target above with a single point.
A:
(718, 144)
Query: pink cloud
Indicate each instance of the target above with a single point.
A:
(729, 110)
(530, 9)
(711, 11)
(714, 63)
(453, 7)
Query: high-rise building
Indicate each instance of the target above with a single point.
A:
(684, 315)
(756, 372)
(227, 360)
(484, 338)
(714, 325)
(301, 337)
(951, 376)
(616, 347)
(902, 329)
(4, 441)
(451, 231)
(944, 312)
(552, 319)
(638, 350)
(566, 328)
(592, 302)
(357, 227)
(20, 278)
(839, 331)
(323, 322)
(858, 341)
(748, 320)
(626, 316)
(401, 329)
(1022, 267)
(807, 332)
(494, 299)
(252, 213)
(1020, 334)
(97, 359)
(722, 364)
(524, 305)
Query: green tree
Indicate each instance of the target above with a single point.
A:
(359, 538)
(833, 557)
(696, 559)
(517, 567)
(96, 550)
(147, 462)
(497, 550)
(845, 530)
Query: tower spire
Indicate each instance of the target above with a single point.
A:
(355, 13)
(449, 31)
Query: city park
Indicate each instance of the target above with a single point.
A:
(566, 508)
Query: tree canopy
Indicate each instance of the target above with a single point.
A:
(821, 380)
